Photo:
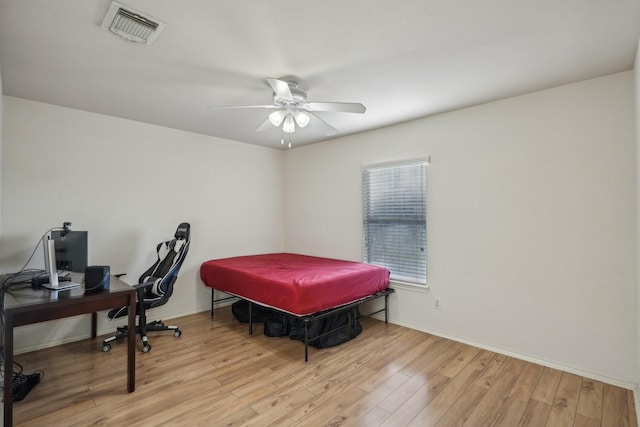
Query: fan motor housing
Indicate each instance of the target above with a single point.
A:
(299, 97)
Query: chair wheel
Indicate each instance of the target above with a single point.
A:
(146, 348)
(106, 348)
(177, 333)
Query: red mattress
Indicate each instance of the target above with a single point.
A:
(297, 284)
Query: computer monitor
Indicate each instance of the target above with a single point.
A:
(70, 250)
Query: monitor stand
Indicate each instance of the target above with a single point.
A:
(50, 267)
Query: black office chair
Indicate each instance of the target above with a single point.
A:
(154, 289)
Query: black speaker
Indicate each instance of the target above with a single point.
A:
(96, 278)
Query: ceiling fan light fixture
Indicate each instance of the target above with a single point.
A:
(302, 118)
(277, 117)
(289, 125)
(291, 107)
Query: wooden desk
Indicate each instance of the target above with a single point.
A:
(42, 305)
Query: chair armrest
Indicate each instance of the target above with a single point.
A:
(144, 285)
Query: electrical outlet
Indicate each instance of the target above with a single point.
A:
(437, 303)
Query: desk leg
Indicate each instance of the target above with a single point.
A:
(94, 325)
(131, 344)
(8, 372)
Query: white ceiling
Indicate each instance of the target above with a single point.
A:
(403, 59)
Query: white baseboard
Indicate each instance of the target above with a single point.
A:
(40, 346)
(109, 328)
(636, 397)
(635, 387)
(550, 364)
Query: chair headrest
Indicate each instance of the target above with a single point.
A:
(183, 231)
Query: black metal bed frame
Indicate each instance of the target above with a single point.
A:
(350, 326)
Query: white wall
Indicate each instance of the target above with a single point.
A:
(130, 184)
(531, 229)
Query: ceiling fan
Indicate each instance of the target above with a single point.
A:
(293, 108)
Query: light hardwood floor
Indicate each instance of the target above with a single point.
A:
(216, 375)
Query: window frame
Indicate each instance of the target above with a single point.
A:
(417, 282)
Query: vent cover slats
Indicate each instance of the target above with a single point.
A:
(131, 25)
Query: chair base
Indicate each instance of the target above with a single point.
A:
(123, 332)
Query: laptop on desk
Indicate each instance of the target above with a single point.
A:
(62, 285)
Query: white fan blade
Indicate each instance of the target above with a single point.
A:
(337, 107)
(323, 126)
(264, 126)
(237, 107)
(281, 89)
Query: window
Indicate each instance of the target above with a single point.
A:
(395, 219)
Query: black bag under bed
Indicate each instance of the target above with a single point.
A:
(334, 328)
(320, 330)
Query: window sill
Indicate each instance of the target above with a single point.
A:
(423, 289)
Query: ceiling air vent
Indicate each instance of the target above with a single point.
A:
(131, 25)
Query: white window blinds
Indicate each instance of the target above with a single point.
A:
(395, 220)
